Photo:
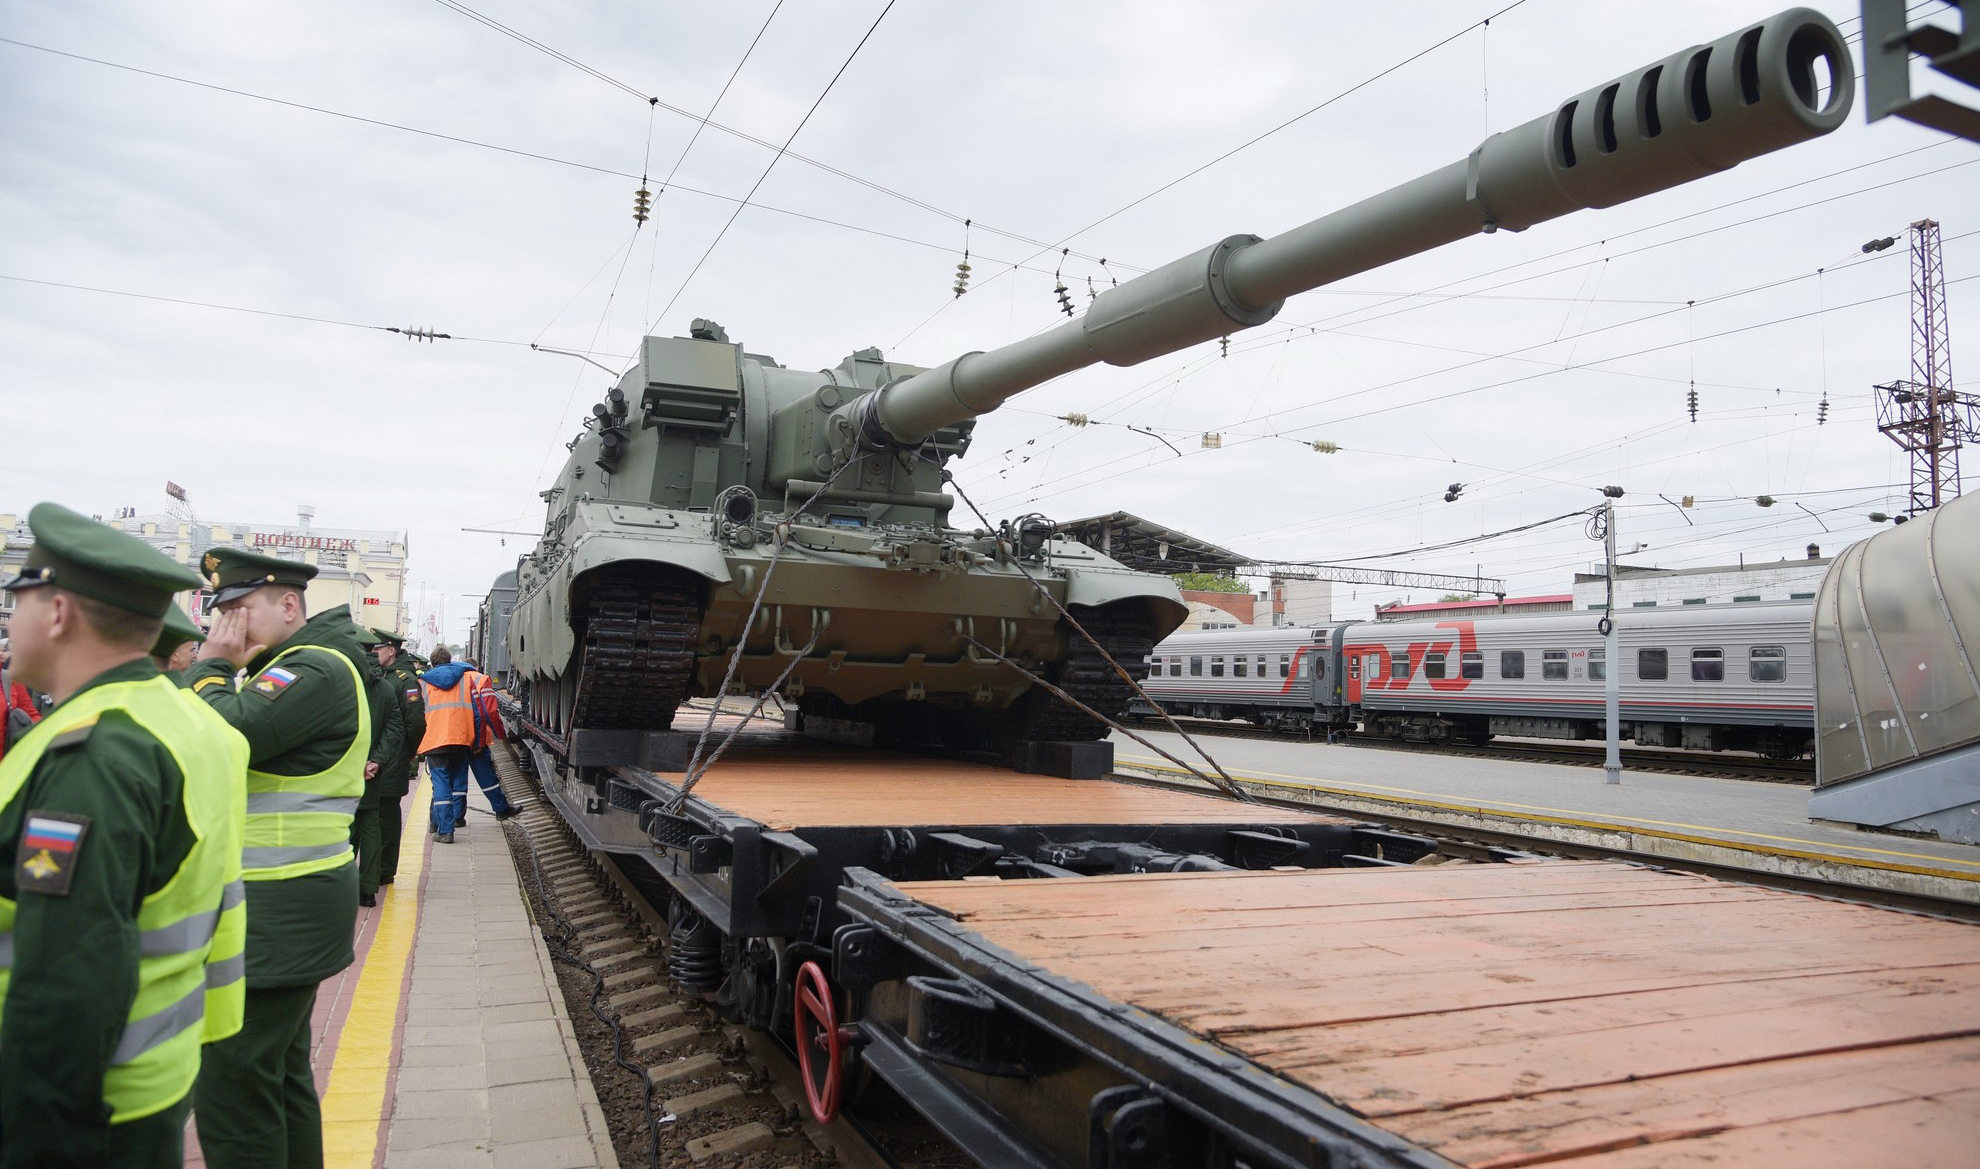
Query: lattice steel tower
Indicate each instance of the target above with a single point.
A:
(1925, 415)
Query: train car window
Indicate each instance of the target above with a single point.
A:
(1512, 663)
(1766, 663)
(1319, 669)
(1261, 665)
(1217, 666)
(1196, 666)
(1746, 600)
(1472, 665)
(1652, 665)
(1553, 665)
(1285, 665)
(1433, 665)
(1708, 665)
(1238, 666)
(1354, 668)
(1598, 665)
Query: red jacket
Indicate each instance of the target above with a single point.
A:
(17, 698)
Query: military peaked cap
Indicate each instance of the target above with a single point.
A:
(386, 637)
(179, 629)
(74, 552)
(236, 572)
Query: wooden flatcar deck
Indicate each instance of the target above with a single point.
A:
(803, 785)
(1506, 1015)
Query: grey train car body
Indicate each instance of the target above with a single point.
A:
(1724, 677)
(1276, 678)
(488, 641)
(1896, 624)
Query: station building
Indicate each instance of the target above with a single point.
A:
(1724, 584)
(359, 567)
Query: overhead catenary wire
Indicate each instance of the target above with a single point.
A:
(517, 152)
(795, 131)
(707, 121)
(1065, 242)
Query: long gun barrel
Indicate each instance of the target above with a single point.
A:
(1785, 80)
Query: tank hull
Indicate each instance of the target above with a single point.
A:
(881, 627)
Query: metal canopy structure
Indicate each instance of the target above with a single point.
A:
(1150, 547)
(1350, 574)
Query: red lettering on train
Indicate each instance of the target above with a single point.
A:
(1382, 670)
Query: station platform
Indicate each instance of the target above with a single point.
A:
(1742, 823)
(446, 1044)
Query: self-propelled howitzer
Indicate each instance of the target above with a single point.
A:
(713, 483)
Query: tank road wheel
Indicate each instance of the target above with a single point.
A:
(821, 1043)
(1042, 716)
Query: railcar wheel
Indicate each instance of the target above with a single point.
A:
(821, 1043)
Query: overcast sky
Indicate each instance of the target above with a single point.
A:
(1532, 367)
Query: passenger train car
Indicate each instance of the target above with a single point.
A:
(1717, 677)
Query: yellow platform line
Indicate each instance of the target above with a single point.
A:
(1962, 870)
(355, 1098)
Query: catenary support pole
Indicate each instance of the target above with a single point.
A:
(1611, 658)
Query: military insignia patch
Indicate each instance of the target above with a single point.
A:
(272, 682)
(412, 693)
(46, 859)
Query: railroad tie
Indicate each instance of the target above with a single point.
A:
(747, 1138)
(665, 1040)
(692, 1067)
(644, 996)
(720, 1096)
(666, 1014)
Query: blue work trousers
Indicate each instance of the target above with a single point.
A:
(491, 786)
(449, 772)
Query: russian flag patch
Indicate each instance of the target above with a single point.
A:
(45, 862)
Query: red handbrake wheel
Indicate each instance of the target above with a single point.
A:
(821, 1042)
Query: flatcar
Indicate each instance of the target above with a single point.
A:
(1717, 677)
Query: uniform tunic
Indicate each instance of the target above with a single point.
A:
(76, 956)
(395, 781)
(387, 733)
(299, 929)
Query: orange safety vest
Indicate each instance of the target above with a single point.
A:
(450, 713)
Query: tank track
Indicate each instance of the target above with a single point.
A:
(1087, 676)
(637, 658)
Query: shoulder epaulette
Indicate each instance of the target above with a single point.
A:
(73, 736)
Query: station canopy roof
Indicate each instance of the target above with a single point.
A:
(1150, 547)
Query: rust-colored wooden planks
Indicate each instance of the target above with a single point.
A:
(1512, 1015)
(820, 788)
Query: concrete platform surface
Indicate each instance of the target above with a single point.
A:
(447, 1044)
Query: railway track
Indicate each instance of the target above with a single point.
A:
(717, 1094)
(1796, 771)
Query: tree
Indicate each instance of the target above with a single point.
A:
(1448, 598)
(1210, 582)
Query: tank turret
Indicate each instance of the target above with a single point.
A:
(717, 498)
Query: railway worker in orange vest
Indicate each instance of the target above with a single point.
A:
(489, 728)
(454, 733)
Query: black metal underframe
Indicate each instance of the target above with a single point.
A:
(1214, 1107)
(1143, 1093)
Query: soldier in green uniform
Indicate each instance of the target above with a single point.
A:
(387, 741)
(120, 827)
(174, 649)
(305, 712)
(397, 779)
